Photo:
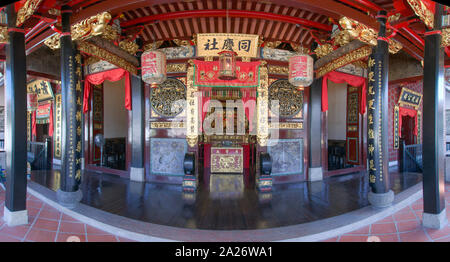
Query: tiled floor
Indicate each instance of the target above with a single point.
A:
(46, 224)
(403, 226)
(49, 225)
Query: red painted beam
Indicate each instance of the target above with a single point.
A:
(225, 13)
(351, 3)
(414, 36)
(370, 4)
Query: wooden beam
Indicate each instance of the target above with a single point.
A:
(114, 7)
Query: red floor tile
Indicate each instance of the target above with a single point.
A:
(334, 239)
(8, 238)
(33, 211)
(41, 235)
(388, 219)
(51, 215)
(68, 218)
(66, 237)
(31, 197)
(363, 230)
(388, 238)
(51, 225)
(95, 231)
(387, 228)
(445, 239)
(17, 231)
(435, 233)
(352, 238)
(101, 238)
(70, 227)
(402, 216)
(405, 226)
(34, 204)
(417, 206)
(419, 214)
(121, 239)
(416, 236)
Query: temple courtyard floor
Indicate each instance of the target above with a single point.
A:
(116, 210)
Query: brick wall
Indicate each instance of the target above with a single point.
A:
(394, 93)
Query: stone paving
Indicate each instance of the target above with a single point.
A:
(403, 226)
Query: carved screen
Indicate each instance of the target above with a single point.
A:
(169, 98)
(290, 99)
(287, 156)
(167, 155)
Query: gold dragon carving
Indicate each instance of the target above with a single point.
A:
(356, 30)
(26, 11)
(3, 35)
(422, 11)
(96, 25)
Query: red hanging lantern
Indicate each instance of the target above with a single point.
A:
(153, 67)
(227, 65)
(32, 101)
(301, 70)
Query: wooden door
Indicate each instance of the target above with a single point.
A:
(353, 139)
(97, 121)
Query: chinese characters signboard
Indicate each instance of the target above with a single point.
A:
(411, 98)
(376, 133)
(58, 126)
(211, 44)
(42, 88)
(396, 128)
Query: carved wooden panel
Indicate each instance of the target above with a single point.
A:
(290, 99)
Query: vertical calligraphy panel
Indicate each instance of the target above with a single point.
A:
(58, 128)
(262, 107)
(191, 109)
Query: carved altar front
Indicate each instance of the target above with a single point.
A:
(227, 160)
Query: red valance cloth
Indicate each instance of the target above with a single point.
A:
(50, 124)
(339, 78)
(110, 75)
(207, 74)
(33, 124)
(406, 112)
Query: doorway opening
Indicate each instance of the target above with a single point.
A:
(109, 118)
(343, 128)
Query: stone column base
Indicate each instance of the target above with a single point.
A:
(69, 199)
(315, 174)
(15, 218)
(137, 174)
(436, 221)
(381, 200)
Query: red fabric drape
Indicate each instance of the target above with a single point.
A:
(406, 112)
(207, 155)
(50, 125)
(111, 75)
(33, 124)
(339, 78)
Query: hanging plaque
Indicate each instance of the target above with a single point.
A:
(42, 88)
(410, 98)
(244, 45)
